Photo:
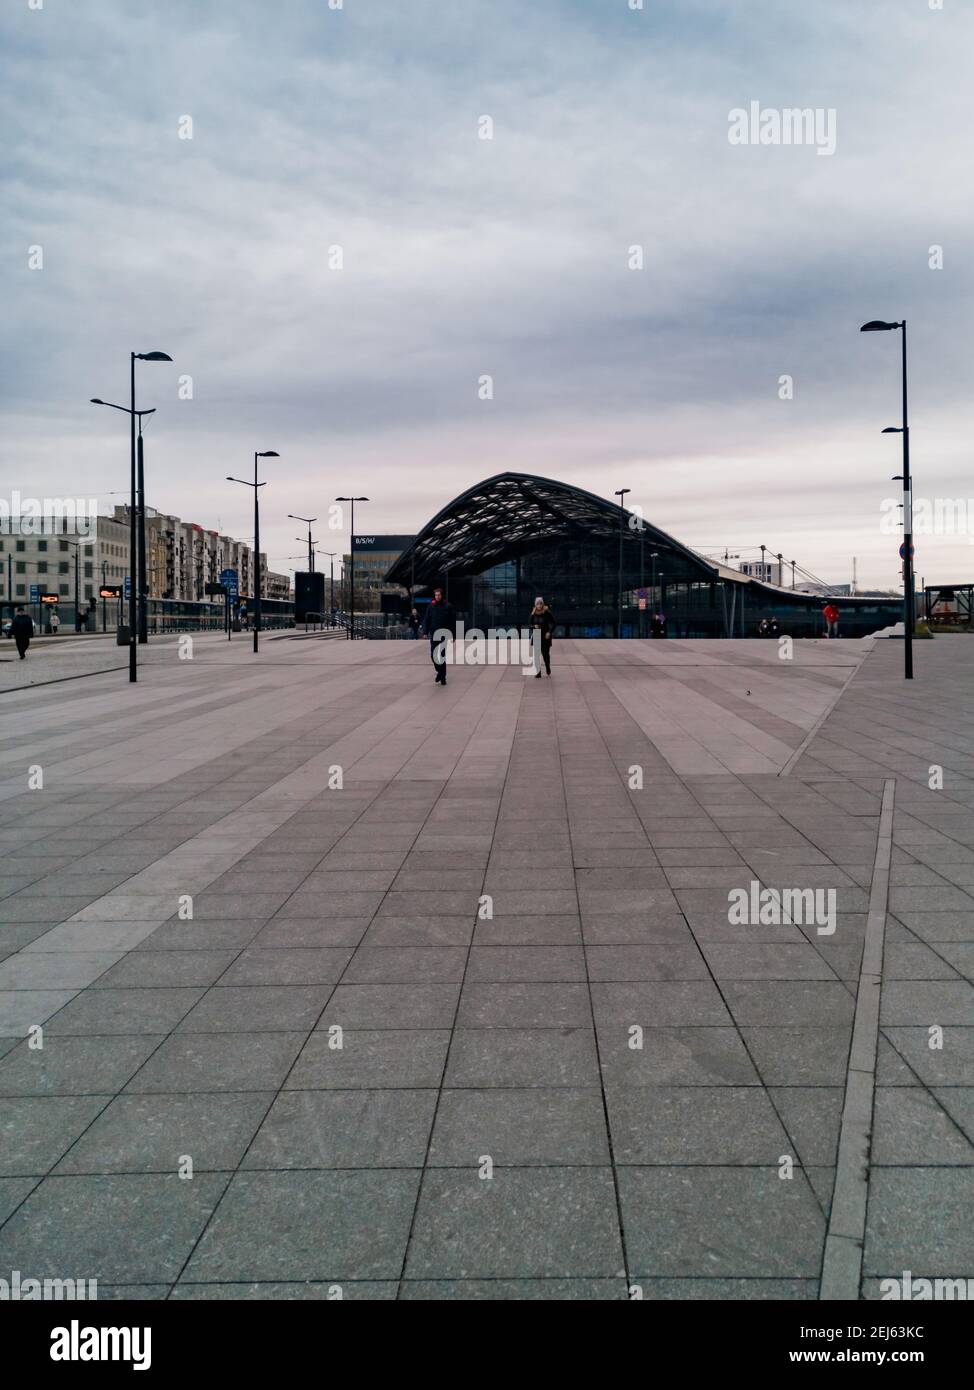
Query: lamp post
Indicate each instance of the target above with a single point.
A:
(351, 556)
(140, 492)
(331, 582)
(311, 552)
(880, 326)
(133, 491)
(77, 547)
(266, 454)
(621, 493)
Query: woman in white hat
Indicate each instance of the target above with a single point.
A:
(542, 622)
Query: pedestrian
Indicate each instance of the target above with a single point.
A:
(831, 615)
(22, 630)
(657, 626)
(542, 624)
(439, 624)
(414, 623)
(55, 622)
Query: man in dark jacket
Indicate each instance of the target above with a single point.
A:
(439, 621)
(22, 630)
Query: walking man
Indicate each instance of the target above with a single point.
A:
(831, 615)
(22, 630)
(439, 624)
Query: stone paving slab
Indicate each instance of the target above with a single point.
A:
(478, 1023)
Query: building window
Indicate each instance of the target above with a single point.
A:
(62, 546)
(21, 590)
(62, 589)
(42, 545)
(88, 570)
(42, 567)
(63, 567)
(21, 546)
(89, 591)
(21, 567)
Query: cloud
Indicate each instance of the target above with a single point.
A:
(315, 128)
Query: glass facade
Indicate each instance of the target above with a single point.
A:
(515, 536)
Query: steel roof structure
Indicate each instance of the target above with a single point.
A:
(512, 513)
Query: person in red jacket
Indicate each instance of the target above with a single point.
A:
(831, 615)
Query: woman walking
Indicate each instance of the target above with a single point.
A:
(542, 623)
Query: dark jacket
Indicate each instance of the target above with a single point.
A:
(440, 617)
(22, 627)
(545, 621)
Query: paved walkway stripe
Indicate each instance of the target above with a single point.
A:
(842, 1266)
(790, 764)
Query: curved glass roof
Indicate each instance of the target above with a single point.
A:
(510, 514)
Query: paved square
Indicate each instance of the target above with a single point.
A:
(315, 973)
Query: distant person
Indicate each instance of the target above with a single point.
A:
(22, 630)
(542, 625)
(439, 622)
(55, 621)
(768, 627)
(831, 615)
(414, 623)
(657, 626)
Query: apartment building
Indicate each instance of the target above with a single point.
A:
(52, 556)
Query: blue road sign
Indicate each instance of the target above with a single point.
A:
(35, 593)
(230, 581)
(127, 592)
(903, 551)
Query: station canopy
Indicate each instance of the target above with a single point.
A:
(512, 514)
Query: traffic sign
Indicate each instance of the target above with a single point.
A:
(642, 593)
(903, 550)
(230, 581)
(128, 586)
(35, 593)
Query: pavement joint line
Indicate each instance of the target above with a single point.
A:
(793, 760)
(842, 1263)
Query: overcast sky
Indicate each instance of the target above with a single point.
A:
(357, 128)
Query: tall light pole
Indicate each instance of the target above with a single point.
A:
(311, 552)
(351, 556)
(140, 489)
(880, 326)
(77, 547)
(267, 454)
(133, 500)
(331, 582)
(620, 492)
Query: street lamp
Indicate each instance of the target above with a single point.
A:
(881, 326)
(89, 540)
(311, 553)
(141, 566)
(351, 556)
(133, 528)
(331, 582)
(267, 454)
(620, 492)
